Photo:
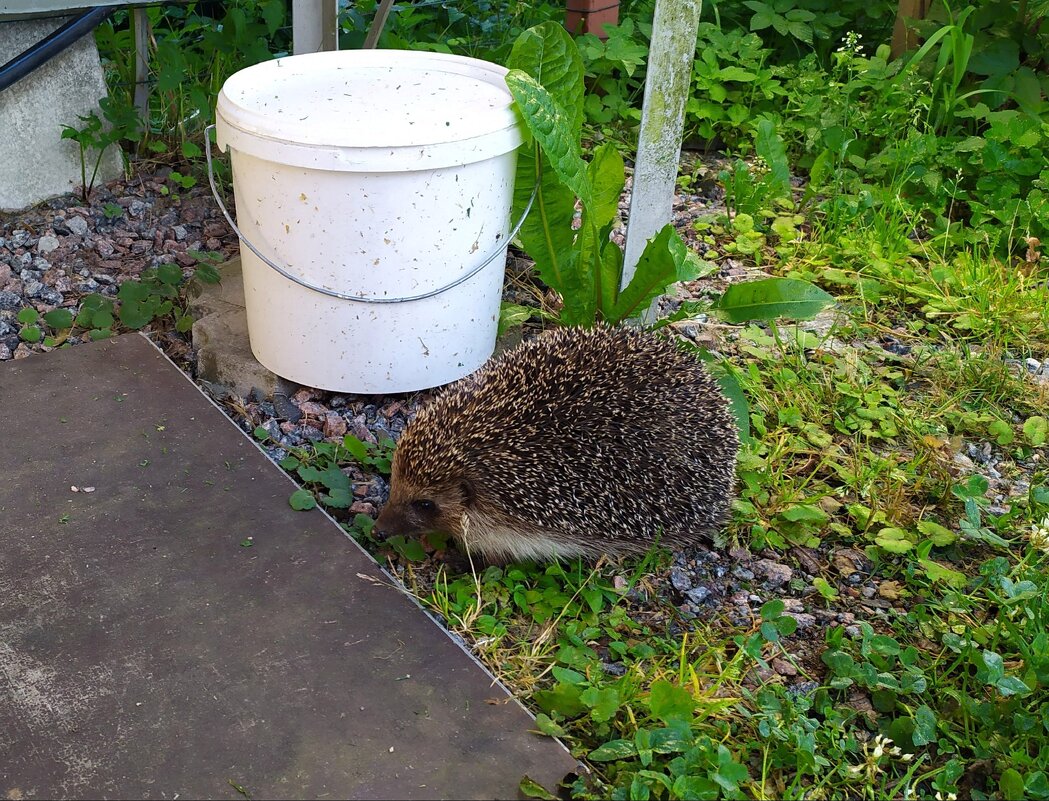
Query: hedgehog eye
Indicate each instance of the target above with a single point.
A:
(425, 505)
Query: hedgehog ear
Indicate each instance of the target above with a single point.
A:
(467, 488)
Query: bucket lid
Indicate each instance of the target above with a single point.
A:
(383, 110)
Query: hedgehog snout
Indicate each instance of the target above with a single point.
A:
(411, 518)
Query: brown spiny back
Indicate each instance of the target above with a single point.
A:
(606, 437)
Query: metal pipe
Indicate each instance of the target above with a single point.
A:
(50, 46)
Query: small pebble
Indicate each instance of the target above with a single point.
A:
(804, 619)
(286, 409)
(979, 454)
(1033, 365)
(774, 573)
(698, 595)
(47, 244)
(679, 580)
(77, 225)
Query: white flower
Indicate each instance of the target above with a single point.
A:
(1040, 536)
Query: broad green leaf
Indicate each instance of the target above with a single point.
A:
(412, 550)
(769, 145)
(995, 667)
(549, 55)
(699, 788)
(609, 278)
(207, 273)
(1011, 784)
(663, 262)
(551, 127)
(28, 316)
(546, 233)
(567, 675)
(924, 726)
(563, 699)
(824, 587)
(730, 772)
(606, 174)
(733, 390)
(937, 572)
(771, 299)
(799, 30)
(547, 726)
(1010, 685)
(734, 73)
(669, 702)
(594, 598)
(894, 540)
(102, 318)
(770, 610)
(578, 293)
(512, 315)
(939, 535)
(805, 513)
(59, 319)
(133, 291)
(356, 448)
(530, 788)
(603, 702)
(136, 314)
(612, 750)
(1035, 430)
(273, 15)
(338, 499)
(820, 168)
(334, 479)
(302, 500)
(1001, 431)
(30, 334)
(170, 274)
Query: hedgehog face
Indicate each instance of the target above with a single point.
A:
(416, 510)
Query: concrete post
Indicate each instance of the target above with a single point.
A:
(313, 24)
(668, 78)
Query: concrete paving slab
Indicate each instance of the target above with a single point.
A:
(36, 163)
(179, 631)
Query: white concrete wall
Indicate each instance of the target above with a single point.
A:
(35, 162)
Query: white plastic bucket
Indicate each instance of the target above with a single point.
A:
(377, 175)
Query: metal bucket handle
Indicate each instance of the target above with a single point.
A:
(340, 295)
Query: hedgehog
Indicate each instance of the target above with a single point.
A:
(579, 442)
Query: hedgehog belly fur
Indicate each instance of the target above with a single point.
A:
(494, 540)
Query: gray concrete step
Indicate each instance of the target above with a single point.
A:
(146, 651)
